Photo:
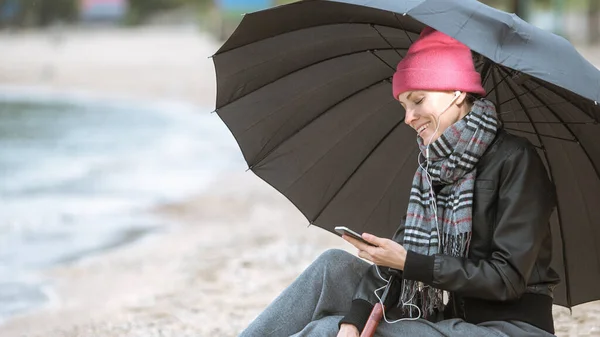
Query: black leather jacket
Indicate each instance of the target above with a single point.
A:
(507, 275)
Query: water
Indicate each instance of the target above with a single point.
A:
(77, 175)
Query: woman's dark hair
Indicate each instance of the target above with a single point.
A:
(471, 98)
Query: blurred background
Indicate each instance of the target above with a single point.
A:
(578, 20)
(107, 141)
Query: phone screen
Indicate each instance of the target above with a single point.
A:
(345, 230)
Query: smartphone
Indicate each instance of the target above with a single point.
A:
(345, 230)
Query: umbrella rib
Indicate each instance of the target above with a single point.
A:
(258, 161)
(547, 105)
(496, 85)
(589, 159)
(311, 27)
(537, 106)
(386, 40)
(279, 56)
(566, 123)
(380, 59)
(300, 69)
(498, 105)
(541, 135)
(572, 134)
(388, 187)
(566, 99)
(404, 29)
(327, 152)
(486, 70)
(538, 135)
(558, 211)
(302, 95)
(520, 95)
(358, 167)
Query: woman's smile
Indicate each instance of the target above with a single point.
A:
(422, 129)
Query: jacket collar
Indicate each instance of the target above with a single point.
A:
(489, 154)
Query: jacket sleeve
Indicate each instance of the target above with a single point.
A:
(525, 202)
(364, 299)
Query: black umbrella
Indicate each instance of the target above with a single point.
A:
(306, 91)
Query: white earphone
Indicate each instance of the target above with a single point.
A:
(457, 94)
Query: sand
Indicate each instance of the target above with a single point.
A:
(228, 251)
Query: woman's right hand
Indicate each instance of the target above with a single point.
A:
(348, 330)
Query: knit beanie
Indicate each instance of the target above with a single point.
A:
(435, 61)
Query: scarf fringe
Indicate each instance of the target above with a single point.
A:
(427, 298)
(456, 245)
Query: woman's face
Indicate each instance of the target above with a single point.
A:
(423, 108)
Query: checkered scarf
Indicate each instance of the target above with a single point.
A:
(453, 157)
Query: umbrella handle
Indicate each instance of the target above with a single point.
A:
(373, 322)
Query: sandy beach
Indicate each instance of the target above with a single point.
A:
(228, 251)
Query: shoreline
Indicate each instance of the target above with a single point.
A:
(49, 93)
(181, 277)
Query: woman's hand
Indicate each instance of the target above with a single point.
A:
(386, 253)
(348, 330)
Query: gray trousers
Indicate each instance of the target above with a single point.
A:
(316, 301)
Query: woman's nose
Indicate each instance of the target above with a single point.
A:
(409, 116)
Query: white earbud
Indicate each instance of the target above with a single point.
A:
(457, 94)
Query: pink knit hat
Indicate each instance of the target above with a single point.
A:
(437, 62)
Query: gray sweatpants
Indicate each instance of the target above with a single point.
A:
(316, 301)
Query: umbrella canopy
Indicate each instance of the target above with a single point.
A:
(306, 91)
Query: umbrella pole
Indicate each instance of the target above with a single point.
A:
(373, 322)
(377, 312)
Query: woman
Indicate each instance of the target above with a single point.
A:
(477, 225)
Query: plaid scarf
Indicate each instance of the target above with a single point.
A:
(453, 157)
